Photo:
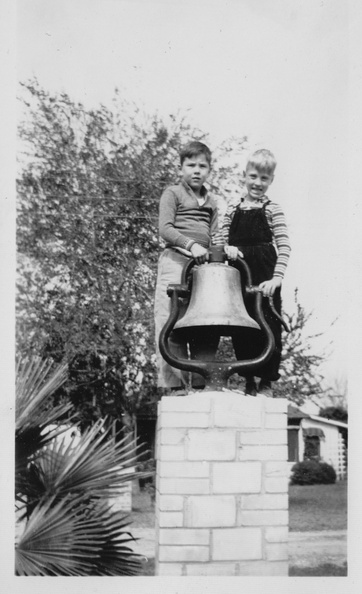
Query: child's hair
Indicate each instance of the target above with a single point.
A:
(194, 149)
(262, 160)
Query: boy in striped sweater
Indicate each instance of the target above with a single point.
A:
(256, 227)
(188, 220)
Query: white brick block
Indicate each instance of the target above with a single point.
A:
(171, 452)
(277, 551)
(170, 519)
(185, 404)
(172, 436)
(211, 445)
(265, 501)
(183, 553)
(237, 477)
(184, 536)
(210, 569)
(170, 502)
(275, 421)
(263, 452)
(236, 544)
(184, 419)
(184, 486)
(263, 568)
(184, 469)
(215, 511)
(276, 485)
(238, 411)
(267, 437)
(157, 446)
(276, 534)
(169, 569)
(275, 469)
(263, 518)
(276, 405)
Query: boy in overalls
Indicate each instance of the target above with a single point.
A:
(256, 227)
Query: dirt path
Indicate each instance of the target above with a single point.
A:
(309, 549)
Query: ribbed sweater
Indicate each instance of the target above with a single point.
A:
(276, 221)
(182, 222)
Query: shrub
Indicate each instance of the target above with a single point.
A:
(312, 472)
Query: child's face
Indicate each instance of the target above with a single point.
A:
(195, 171)
(257, 182)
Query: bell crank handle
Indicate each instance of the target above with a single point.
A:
(175, 292)
(254, 289)
(277, 315)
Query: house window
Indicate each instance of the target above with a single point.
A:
(293, 444)
(312, 443)
(312, 447)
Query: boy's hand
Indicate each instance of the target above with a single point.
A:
(199, 253)
(232, 252)
(268, 287)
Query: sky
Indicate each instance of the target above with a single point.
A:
(275, 71)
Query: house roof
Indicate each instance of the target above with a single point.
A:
(329, 421)
(296, 413)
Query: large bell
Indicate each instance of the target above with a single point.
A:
(216, 300)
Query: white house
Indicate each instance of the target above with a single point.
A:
(310, 436)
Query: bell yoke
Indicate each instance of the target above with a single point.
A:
(215, 293)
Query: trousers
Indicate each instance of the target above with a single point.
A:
(202, 346)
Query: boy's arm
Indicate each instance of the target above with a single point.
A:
(215, 231)
(225, 227)
(280, 233)
(281, 237)
(167, 216)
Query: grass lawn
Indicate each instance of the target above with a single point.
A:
(318, 507)
(311, 507)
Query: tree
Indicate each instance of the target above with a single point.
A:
(88, 191)
(88, 245)
(337, 395)
(300, 379)
(336, 413)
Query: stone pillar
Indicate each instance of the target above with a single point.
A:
(222, 485)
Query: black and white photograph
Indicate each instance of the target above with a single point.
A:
(179, 218)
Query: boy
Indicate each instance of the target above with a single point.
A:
(256, 227)
(187, 221)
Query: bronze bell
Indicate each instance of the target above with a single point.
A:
(216, 300)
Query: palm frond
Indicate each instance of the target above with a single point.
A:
(90, 463)
(70, 538)
(64, 488)
(36, 382)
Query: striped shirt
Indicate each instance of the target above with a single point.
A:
(276, 221)
(183, 221)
